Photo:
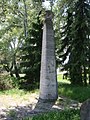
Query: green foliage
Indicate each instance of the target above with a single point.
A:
(58, 115)
(74, 39)
(15, 18)
(7, 82)
(13, 114)
(78, 56)
(31, 53)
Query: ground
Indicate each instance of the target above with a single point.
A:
(17, 107)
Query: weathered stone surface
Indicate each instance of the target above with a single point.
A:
(85, 110)
(48, 81)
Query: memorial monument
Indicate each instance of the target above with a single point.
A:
(48, 77)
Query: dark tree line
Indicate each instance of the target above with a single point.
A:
(75, 42)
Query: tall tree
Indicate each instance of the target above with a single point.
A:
(81, 29)
(31, 53)
(16, 16)
(74, 40)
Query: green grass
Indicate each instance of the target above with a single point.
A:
(79, 93)
(61, 80)
(17, 92)
(58, 115)
(13, 91)
(64, 89)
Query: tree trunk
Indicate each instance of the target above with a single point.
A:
(85, 77)
(48, 81)
(89, 78)
(89, 61)
(76, 75)
(89, 72)
(25, 19)
(15, 67)
(9, 69)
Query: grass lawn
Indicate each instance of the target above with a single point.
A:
(58, 115)
(64, 89)
(73, 92)
(79, 93)
(17, 92)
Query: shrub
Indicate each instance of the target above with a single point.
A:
(7, 82)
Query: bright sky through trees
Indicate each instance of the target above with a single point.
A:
(46, 4)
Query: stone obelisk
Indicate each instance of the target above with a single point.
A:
(48, 78)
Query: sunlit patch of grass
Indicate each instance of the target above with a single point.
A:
(13, 92)
(61, 80)
(16, 97)
(59, 77)
(17, 91)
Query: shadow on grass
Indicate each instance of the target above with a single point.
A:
(15, 113)
(20, 112)
(29, 87)
(79, 93)
(28, 112)
(23, 111)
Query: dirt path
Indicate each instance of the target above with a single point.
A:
(14, 108)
